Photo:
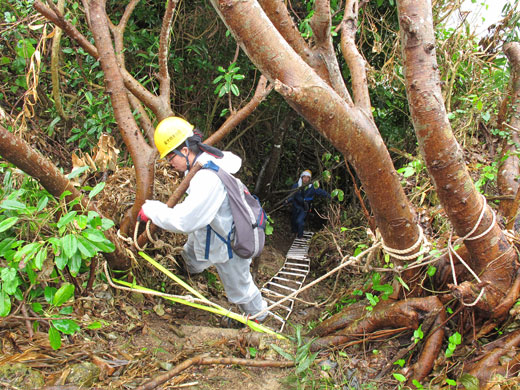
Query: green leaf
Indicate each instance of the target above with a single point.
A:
(66, 310)
(94, 235)
(407, 171)
(11, 204)
(5, 304)
(10, 280)
(61, 261)
(222, 91)
(95, 325)
(66, 326)
(65, 194)
(74, 264)
(29, 269)
(235, 90)
(64, 293)
(96, 190)
(7, 223)
(284, 354)
(469, 382)
(306, 363)
(400, 377)
(431, 270)
(86, 248)
(69, 244)
(40, 258)
(66, 219)
(106, 224)
(6, 245)
(400, 280)
(107, 246)
(386, 289)
(48, 293)
(455, 338)
(28, 251)
(37, 307)
(42, 202)
(81, 221)
(54, 338)
(400, 362)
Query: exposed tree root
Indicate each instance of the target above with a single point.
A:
(408, 314)
(493, 362)
(204, 360)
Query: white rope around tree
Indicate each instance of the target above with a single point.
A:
(398, 253)
(451, 250)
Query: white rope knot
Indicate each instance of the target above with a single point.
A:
(398, 253)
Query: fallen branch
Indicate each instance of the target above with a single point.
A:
(203, 360)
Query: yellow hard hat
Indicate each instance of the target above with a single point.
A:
(307, 172)
(170, 133)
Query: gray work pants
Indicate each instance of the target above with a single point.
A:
(236, 278)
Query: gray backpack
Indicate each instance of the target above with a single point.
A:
(247, 236)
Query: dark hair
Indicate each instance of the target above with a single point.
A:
(195, 145)
(192, 143)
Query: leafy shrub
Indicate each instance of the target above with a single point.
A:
(40, 237)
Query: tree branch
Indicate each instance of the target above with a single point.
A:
(164, 44)
(321, 24)
(355, 62)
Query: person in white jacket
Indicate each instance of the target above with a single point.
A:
(207, 204)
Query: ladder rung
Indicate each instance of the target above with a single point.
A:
(298, 265)
(281, 306)
(272, 292)
(304, 272)
(304, 261)
(286, 280)
(281, 286)
(291, 273)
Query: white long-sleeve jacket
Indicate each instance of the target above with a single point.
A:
(207, 203)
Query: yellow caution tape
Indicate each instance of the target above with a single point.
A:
(214, 308)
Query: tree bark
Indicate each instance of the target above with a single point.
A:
(508, 172)
(491, 255)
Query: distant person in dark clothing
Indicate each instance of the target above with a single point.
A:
(301, 201)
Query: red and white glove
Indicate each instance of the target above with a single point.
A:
(141, 216)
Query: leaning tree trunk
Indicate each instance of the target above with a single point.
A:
(348, 127)
(492, 257)
(509, 122)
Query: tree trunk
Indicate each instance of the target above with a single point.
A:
(266, 176)
(508, 172)
(142, 154)
(492, 258)
(347, 127)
